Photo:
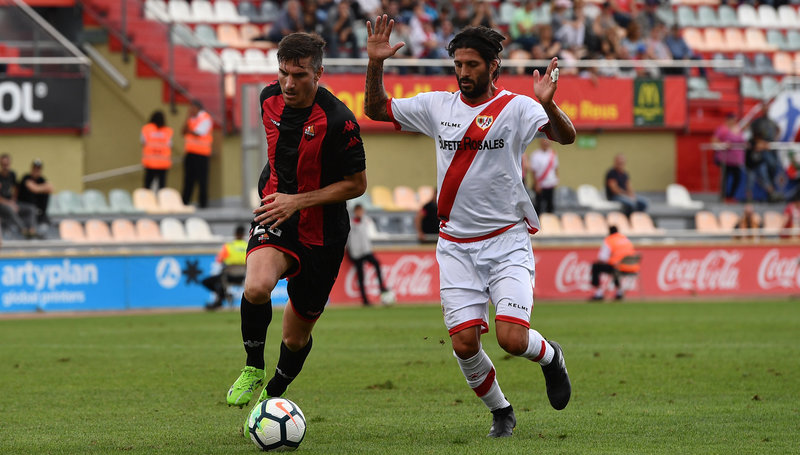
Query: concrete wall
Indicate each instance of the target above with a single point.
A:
(62, 155)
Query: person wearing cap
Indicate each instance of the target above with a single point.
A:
(35, 190)
(20, 215)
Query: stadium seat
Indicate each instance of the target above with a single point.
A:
(565, 198)
(694, 39)
(179, 11)
(207, 36)
(776, 39)
(763, 64)
(198, 229)
(156, 10)
(619, 220)
(425, 193)
(269, 11)
(208, 60)
(734, 39)
(747, 15)
(123, 230)
(70, 203)
(382, 197)
(750, 88)
(678, 196)
(182, 35)
(756, 41)
(249, 11)
(170, 201)
(796, 63)
(714, 40)
(231, 60)
(788, 17)
(147, 230)
(172, 229)
(687, 18)
(728, 220)
(642, 224)
(120, 201)
(589, 196)
(405, 198)
(770, 87)
(71, 231)
(595, 223)
(550, 225)
(782, 62)
(767, 16)
(706, 16)
(93, 201)
(225, 11)
(144, 199)
(665, 15)
(97, 231)
(727, 16)
(53, 207)
(793, 40)
(229, 34)
(706, 222)
(202, 11)
(698, 89)
(572, 224)
(254, 62)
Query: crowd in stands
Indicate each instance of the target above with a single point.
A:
(23, 202)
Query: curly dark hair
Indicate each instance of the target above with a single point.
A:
(487, 42)
(297, 46)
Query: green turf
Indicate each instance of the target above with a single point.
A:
(717, 378)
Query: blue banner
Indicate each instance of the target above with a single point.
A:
(110, 283)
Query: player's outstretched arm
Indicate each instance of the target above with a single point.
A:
(378, 50)
(560, 128)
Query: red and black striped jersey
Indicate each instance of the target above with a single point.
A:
(308, 149)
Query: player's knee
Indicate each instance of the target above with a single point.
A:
(295, 342)
(259, 291)
(514, 342)
(466, 348)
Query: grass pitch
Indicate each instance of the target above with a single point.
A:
(717, 378)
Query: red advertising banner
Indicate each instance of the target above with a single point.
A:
(590, 103)
(564, 274)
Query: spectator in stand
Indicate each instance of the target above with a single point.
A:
(656, 49)
(680, 51)
(791, 217)
(289, 21)
(368, 9)
(156, 139)
(446, 32)
(609, 260)
(522, 27)
(462, 18)
(197, 142)
(572, 36)
(35, 190)
(340, 24)
(427, 221)
(484, 15)
(548, 46)
(359, 249)
(544, 166)
(424, 39)
(603, 27)
(748, 223)
(21, 215)
(619, 188)
(560, 14)
(647, 17)
(763, 127)
(311, 22)
(758, 170)
(633, 42)
(729, 155)
(624, 11)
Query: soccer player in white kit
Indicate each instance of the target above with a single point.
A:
(484, 249)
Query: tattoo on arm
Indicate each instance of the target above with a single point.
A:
(561, 128)
(374, 94)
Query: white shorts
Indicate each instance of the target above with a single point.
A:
(499, 269)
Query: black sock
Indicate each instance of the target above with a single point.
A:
(502, 412)
(255, 320)
(289, 366)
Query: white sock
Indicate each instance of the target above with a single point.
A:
(480, 375)
(598, 292)
(539, 350)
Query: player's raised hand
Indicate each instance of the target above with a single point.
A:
(544, 87)
(378, 46)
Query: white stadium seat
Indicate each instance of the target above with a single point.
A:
(179, 11)
(202, 11)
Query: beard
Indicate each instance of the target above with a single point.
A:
(479, 86)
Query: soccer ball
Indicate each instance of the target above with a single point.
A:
(276, 424)
(388, 298)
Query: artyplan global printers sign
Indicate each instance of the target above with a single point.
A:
(43, 103)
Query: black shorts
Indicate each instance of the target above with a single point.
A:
(311, 280)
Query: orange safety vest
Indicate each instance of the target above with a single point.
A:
(200, 145)
(157, 149)
(620, 247)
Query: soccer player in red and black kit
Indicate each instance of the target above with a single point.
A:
(316, 162)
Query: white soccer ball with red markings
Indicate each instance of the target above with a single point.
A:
(276, 424)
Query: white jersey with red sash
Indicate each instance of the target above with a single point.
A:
(479, 158)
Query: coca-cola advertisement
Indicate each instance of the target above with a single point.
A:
(412, 276)
(732, 270)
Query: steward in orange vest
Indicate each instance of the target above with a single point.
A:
(197, 141)
(610, 260)
(156, 141)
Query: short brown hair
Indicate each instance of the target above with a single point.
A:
(297, 46)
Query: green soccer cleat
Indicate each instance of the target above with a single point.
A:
(241, 391)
